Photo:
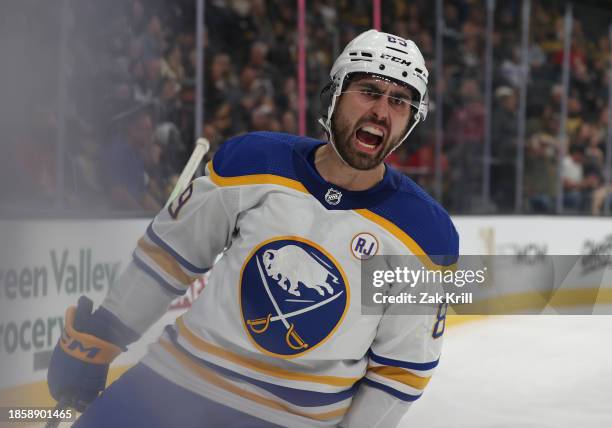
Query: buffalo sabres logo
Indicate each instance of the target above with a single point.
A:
(293, 296)
(333, 196)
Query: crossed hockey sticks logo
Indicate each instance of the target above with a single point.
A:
(292, 338)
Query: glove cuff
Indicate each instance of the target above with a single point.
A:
(86, 347)
(105, 325)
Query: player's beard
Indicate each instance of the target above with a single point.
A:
(344, 131)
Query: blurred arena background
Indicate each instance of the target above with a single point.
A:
(513, 128)
(101, 102)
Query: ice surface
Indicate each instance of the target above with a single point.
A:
(519, 372)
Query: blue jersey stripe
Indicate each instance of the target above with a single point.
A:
(157, 277)
(298, 397)
(184, 262)
(404, 364)
(402, 396)
(395, 198)
(257, 153)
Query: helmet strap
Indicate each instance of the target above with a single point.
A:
(326, 124)
(417, 119)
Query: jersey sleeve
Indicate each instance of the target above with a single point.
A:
(401, 360)
(180, 244)
(403, 356)
(183, 240)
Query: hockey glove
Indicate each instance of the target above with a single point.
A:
(89, 343)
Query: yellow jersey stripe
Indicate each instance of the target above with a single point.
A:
(166, 262)
(296, 185)
(403, 237)
(258, 366)
(254, 179)
(213, 378)
(400, 375)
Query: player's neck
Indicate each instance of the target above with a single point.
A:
(334, 170)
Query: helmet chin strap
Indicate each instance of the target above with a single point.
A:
(326, 124)
(417, 119)
(330, 137)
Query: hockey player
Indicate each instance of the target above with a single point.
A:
(277, 337)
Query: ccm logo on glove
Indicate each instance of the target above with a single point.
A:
(86, 347)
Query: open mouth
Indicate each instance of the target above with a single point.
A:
(369, 138)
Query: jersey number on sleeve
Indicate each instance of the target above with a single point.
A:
(180, 201)
(440, 324)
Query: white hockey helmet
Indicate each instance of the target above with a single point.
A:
(380, 54)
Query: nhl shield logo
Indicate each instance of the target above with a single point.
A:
(293, 296)
(333, 196)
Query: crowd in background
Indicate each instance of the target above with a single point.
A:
(131, 97)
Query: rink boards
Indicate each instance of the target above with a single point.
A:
(46, 265)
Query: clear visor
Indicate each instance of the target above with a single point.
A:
(370, 90)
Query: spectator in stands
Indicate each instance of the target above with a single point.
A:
(153, 77)
(32, 159)
(601, 129)
(169, 106)
(223, 121)
(541, 73)
(464, 141)
(172, 64)
(251, 63)
(222, 84)
(130, 152)
(262, 20)
(503, 148)
(287, 98)
(173, 157)
(262, 119)
(254, 91)
(156, 176)
(210, 132)
(540, 181)
(577, 184)
(153, 38)
(85, 188)
(471, 53)
(601, 196)
(452, 22)
(583, 84)
(575, 115)
(258, 61)
(137, 17)
(139, 85)
(511, 68)
(289, 123)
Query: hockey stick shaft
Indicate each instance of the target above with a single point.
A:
(54, 423)
(201, 148)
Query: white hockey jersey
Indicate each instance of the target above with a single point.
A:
(278, 331)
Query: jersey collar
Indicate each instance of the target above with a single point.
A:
(334, 197)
